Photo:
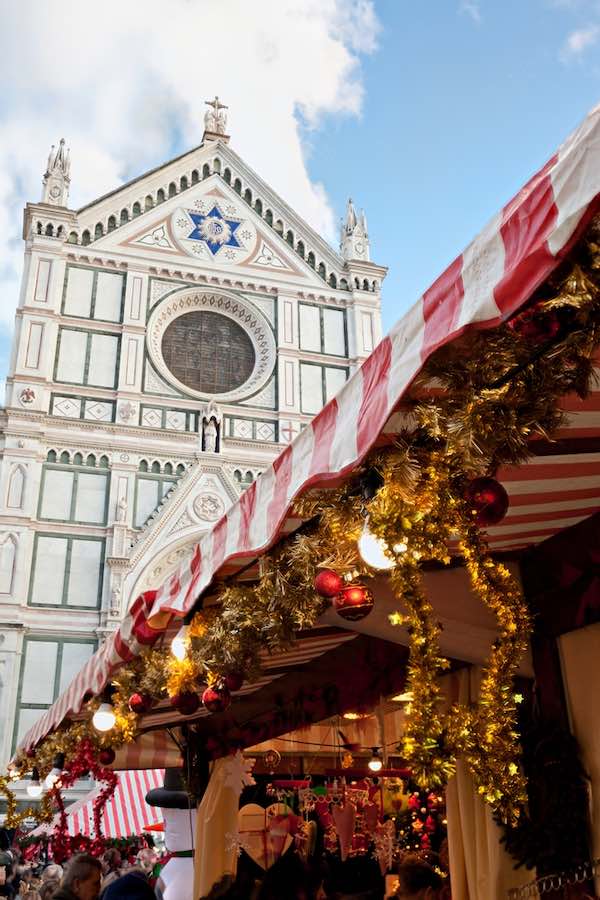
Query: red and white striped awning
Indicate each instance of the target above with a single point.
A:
(484, 286)
(125, 814)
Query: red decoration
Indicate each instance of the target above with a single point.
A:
(488, 500)
(328, 583)
(216, 699)
(354, 602)
(63, 845)
(140, 703)
(535, 325)
(186, 703)
(233, 681)
(106, 757)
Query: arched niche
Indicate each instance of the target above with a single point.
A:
(16, 488)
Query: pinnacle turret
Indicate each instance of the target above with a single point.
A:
(57, 176)
(354, 242)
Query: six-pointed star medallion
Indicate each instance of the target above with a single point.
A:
(214, 230)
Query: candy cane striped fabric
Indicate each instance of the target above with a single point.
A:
(486, 284)
(126, 812)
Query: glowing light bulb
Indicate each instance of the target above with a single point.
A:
(401, 547)
(404, 697)
(375, 764)
(179, 644)
(34, 788)
(373, 550)
(104, 718)
(52, 777)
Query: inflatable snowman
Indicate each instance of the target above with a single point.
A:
(176, 880)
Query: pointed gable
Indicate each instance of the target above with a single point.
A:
(209, 206)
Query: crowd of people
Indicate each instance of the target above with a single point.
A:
(88, 878)
(84, 877)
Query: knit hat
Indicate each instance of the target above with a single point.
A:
(132, 886)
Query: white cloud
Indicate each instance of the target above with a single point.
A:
(125, 84)
(578, 42)
(472, 9)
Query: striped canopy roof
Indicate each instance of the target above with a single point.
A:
(125, 813)
(485, 285)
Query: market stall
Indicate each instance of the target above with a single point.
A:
(400, 540)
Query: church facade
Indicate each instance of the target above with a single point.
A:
(171, 337)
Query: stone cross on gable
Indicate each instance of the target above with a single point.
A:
(215, 119)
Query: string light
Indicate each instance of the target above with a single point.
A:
(34, 788)
(375, 764)
(373, 550)
(179, 644)
(55, 772)
(104, 718)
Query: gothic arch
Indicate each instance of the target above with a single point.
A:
(16, 487)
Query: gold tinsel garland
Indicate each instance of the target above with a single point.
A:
(468, 413)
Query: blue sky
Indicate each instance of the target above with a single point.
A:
(429, 115)
(460, 108)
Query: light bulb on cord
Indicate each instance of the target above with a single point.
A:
(375, 763)
(104, 718)
(34, 788)
(55, 772)
(373, 550)
(179, 644)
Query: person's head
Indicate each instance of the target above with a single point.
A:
(53, 872)
(146, 859)
(111, 860)
(132, 886)
(83, 876)
(417, 881)
(48, 888)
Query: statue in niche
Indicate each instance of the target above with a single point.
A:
(211, 419)
(122, 509)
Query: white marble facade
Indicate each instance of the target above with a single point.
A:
(120, 445)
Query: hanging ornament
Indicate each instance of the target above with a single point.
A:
(186, 703)
(354, 602)
(140, 703)
(216, 699)
(106, 757)
(271, 759)
(535, 324)
(233, 681)
(328, 583)
(488, 500)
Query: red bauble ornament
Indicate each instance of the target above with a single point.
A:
(216, 699)
(535, 325)
(140, 703)
(106, 757)
(328, 583)
(488, 500)
(186, 703)
(233, 681)
(354, 602)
